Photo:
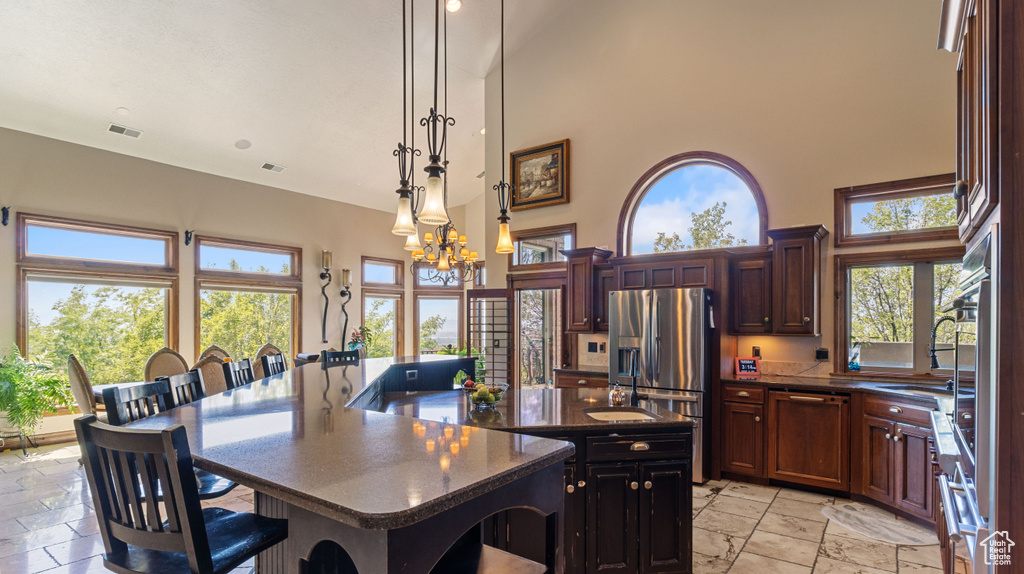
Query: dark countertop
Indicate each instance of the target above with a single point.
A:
(289, 436)
(846, 384)
(592, 372)
(550, 411)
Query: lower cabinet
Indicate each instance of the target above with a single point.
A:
(809, 439)
(639, 517)
(898, 465)
(743, 438)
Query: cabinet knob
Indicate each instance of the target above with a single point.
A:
(807, 319)
(757, 419)
(634, 485)
(765, 319)
(961, 189)
(888, 436)
(570, 489)
(598, 319)
(896, 410)
(581, 483)
(967, 416)
(935, 457)
(648, 485)
(585, 320)
(581, 383)
(896, 438)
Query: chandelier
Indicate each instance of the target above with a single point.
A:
(444, 257)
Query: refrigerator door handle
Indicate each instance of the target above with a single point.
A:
(657, 343)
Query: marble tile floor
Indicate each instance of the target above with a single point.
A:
(47, 524)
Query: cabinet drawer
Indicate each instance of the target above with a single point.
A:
(578, 381)
(897, 410)
(742, 393)
(639, 447)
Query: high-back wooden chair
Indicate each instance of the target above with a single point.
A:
(164, 363)
(215, 351)
(128, 472)
(128, 404)
(212, 371)
(81, 388)
(238, 373)
(257, 361)
(272, 365)
(185, 388)
(332, 358)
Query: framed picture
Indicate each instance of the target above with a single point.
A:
(540, 176)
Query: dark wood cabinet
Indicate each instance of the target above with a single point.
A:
(750, 294)
(612, 507)
(809, 439)
(914, 470)
(664, 271)
(796, 280)
(743, 438)
(605, 284)
(666, 508)
(581, 285)
(575, 379)
(878, 475)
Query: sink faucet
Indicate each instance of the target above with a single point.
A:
(634, 396)
(935, 329)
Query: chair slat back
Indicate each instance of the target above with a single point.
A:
(273, 365)
(144, 490)
(81, 388)
(238, 373)
(164, 363)
(127, 404)
(185, 388)
(331, 358)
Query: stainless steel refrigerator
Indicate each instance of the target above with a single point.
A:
(669, 330)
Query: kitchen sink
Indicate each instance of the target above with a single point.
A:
(924, 391)
(618, 414)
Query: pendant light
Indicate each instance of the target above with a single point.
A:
(435, 211)
(504, 189)
(405, 218)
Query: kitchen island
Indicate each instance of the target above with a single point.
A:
(365, 491)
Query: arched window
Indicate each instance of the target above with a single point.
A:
(694, 200)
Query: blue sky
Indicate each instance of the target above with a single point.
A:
(669, 203)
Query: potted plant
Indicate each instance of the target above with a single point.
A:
(461, 376)
(360, 338)
(27, 390)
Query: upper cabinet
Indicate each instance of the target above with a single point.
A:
(581, 289)
(750, 295)
(796, 280)
(605, 284)
(977, 122)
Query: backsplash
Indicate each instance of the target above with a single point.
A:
(597, 359)
(793, 368)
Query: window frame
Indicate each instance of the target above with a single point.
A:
(440, 294)
(212, 279)
(843, 264)
(414, 268)
(845, 197)
(397, 295)
(93, 270)
(479, 280)
(398, 264)
(521, 234)
(627, 214)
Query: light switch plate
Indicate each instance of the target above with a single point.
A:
(821, 354)
(592, 347)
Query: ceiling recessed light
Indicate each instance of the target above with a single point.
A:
(453, 5)
(122, 111)
(483, 131)
(243, 144)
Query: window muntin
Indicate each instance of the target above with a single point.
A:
(381, 272)
(243, 319)
(541, 248)
(438, 323)
(384, 323)
(919, 209)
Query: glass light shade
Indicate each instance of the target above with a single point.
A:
(403, 221)
(412, 242)
(464, 252)
(326, 259)
(453, 5)
(473, 255)
(434, 212)
(346, 278)
(428, 237)
(431, 257)
(417, 255)
(443, 266)
(453, 235)
(462, 240)
(504, 240)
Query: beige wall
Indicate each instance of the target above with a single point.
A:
(808, 95)
(51, 177)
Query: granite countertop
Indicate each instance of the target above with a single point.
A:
(550, 411)
(592, 371)
(847, 384)
(290, 436)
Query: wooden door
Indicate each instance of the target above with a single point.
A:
(666, 504)
(605, 284)
(580, 289)
(913, 470)
(809, 439)
(794, 290)
(750, 290)
(743, 438)
(612, 507)
(878, 468)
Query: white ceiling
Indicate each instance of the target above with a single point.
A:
(315, 85)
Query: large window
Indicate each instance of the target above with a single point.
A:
(539, 334)
(438, 321)
(105, 293)
(919, 209)
(383, 306)
(889, 303)
(542, 247)
(247, 295)
(692, 201)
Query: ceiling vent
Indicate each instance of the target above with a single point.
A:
(273, 167)
(124, 131)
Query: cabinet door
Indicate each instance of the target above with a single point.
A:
(573, 513)
(809, 439)
(795, 290)
(743, 438)
(750, 293)
(879, 471)
(612, 507)
(605, 285)
(666, 502)
(913, 470)
(580, 286)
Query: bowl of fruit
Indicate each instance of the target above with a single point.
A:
(484, 396)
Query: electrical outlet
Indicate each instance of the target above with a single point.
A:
(821, 354)
(592, 347)
(756, 351)
(603, 348)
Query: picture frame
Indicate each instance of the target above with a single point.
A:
(540, 176)
(747, 367)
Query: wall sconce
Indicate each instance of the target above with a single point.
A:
(188, 236)
(346, 295)
(326, 259)
(6, 215)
